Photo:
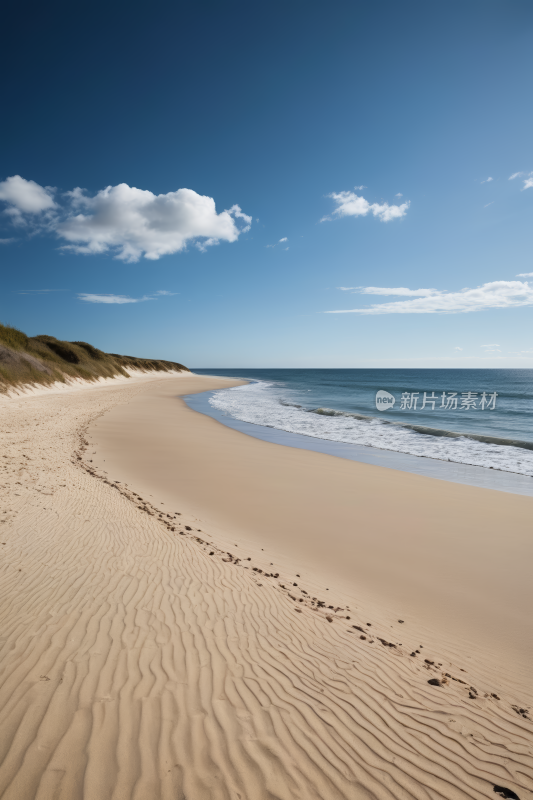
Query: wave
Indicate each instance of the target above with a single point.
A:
(424, 429)
(269, 404)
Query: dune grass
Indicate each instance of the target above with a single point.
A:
(44, 359)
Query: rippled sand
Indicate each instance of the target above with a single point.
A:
(143, 660)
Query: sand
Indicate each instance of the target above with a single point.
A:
(143, 660)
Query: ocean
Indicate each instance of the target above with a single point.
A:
(468, 416)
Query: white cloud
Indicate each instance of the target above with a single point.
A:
(525, 275)
(282, 240)
(353, 205)
(488, 204)
(358, 188)
(528, 183)
(490, 345)
(134, 222)
(123, 220)
(25, 197)
(399, 292)
(515, 175)
(458, 348)
(8, 241)
(488, 180)
(497, 294)
(398, 195)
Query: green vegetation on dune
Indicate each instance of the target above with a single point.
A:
(45, 359)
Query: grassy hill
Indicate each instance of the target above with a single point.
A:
(44, 360)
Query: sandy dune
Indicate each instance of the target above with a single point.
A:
(143, 660)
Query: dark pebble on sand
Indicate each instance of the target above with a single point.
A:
(434, 682)
(362, 637)
(187, 528)
(507, 793)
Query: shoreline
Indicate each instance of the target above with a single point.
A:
(423, 550)
(456, 472)
(150, 650)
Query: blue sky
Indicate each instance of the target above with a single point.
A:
(238, 170)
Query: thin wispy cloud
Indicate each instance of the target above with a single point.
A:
(527, 176)
(111, 299)
(525, 275)
(8, 241)
(124, 221)
(41, 291)
(496, 294)
(488, 204)
(399, 291)
(350, 204)
(398, 195)
(487, 180)
(121, 299)
(458, 348)
(280, 241)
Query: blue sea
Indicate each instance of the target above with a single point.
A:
(468, 416)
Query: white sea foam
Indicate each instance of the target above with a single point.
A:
(263, 404)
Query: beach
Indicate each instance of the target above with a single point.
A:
(188, 612)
